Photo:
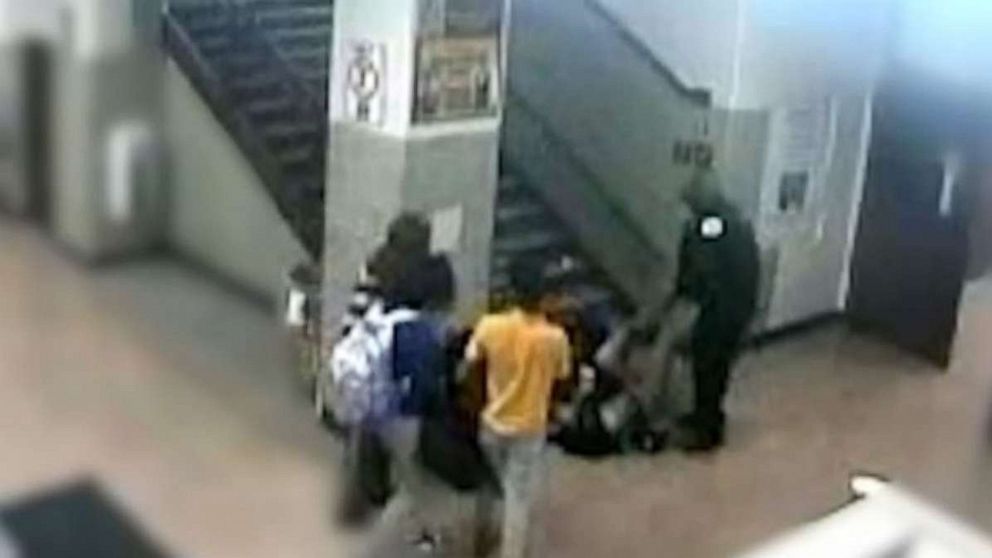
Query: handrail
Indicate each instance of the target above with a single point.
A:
(578, 164)
(698, 95)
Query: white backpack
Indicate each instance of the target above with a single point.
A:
(362, 368)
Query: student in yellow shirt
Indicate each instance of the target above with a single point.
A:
(521, 355)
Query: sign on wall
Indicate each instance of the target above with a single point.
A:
(457, 78)
(464, 18)
(365, 83)
(458, 60)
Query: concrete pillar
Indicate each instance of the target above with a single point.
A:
(108, 199)
(397, 144)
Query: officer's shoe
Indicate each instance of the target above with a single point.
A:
(702, 442)
(691, 438)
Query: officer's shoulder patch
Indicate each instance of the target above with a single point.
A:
(711, 228)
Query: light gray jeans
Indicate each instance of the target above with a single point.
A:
(520, 464)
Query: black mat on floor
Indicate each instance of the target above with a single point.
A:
(78, 520)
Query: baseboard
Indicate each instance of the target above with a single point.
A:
(86, 259)
(792, 330)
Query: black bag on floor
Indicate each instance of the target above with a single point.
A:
(586, 435)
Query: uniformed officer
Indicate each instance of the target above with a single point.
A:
(718, 270)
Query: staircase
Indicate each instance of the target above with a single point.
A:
(263, 66)
(527, 226)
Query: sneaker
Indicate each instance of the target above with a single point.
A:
(427, 544)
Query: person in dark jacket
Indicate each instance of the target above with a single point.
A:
(718, 270)
(407, 246)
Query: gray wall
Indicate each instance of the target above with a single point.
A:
(372, 177)
(221, 214)
(622, 117)
(92, 96)
(459, 170)
(13, 185)
(583, 204)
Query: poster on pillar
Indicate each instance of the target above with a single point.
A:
(458, 60)
(364, 89)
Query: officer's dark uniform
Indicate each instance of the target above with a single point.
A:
(718, 269)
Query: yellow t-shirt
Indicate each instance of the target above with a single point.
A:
(523, 356)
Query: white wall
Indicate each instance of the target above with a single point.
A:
(815, 53)
(756, 54)
(792, 52)
(815, 248)
(28, 18)
(951, 39)
(101, 27)
(695, 38)
(391, 24)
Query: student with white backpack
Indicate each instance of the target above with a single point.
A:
(388, 370)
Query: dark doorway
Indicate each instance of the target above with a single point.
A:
(37, 132)
(911, 253)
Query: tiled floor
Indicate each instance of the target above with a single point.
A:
(174, 395)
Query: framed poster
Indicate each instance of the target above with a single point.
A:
(457, 79)
(461, 18)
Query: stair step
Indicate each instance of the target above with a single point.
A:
(294, 16)
(319, 83)
(282, 135)
(303, 160)
(295, 155)
(577, 276)
(284, 4)
(293, 131)
(311, 59)
(536, 241)
(271, 109)
(509, 183)
(242, 63)
(317, 36)
(558, 268)
(215, 44)
(206, 22)
(524, 210)
(256, 86)
(592, 294)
